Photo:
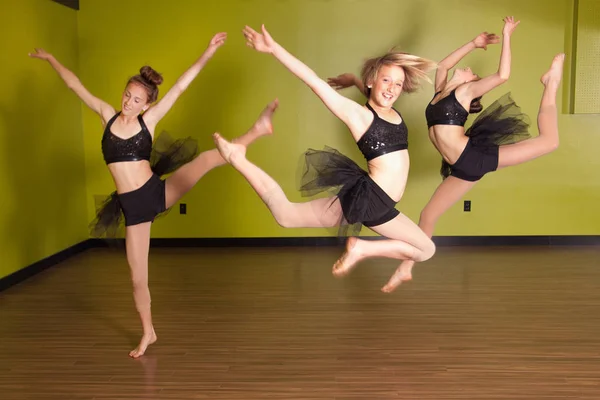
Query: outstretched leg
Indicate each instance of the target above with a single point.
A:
(320, 213)
(182, 180)
(547, 141)
(445, 196)
(137, 241)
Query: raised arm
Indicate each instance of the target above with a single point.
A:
(155, 113)
(103, 109)
(351, 113)
(480, 42)
(479, 88)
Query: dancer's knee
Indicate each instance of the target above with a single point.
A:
(141, 293)
(285, 220)
(426, 252)
(139, 283)
(282, 209)
(139, 275)
(281, 220)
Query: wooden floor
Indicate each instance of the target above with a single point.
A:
(475, 323)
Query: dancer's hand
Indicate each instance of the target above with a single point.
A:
(217, 41)
(484, 39)
(342, 81)
(41, 54)
(259, 42)
(509, 26)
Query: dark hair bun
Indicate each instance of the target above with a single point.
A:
(476, 106)
(151, 75)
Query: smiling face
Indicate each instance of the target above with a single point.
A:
(387, 85)
(134, 99)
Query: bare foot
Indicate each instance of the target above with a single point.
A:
(262, 127)
(554, 74)
(349, 259)
(264, 124)
(229, 151)
(402, 274)
(144, 343)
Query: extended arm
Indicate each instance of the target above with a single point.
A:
(157, 112)
(103, 109)
(479, 88)
(480, 42)
(351, 113)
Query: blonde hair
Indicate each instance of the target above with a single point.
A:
(415, 68)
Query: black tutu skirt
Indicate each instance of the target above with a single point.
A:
(499, 124)
(362, 201)
(167, 156)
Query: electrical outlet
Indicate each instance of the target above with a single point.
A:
(467, 206)
(182, 208)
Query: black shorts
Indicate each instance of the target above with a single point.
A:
(475, 162)
(366, 202)
(144, 204)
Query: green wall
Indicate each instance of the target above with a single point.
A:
(53, 170)
(551, 196)
(42, 200)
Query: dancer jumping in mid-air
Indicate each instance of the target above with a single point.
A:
(497, 139)
(364, 198)
(136, 167)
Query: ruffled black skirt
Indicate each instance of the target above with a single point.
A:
(499, 124)
(116, 211)
(362, 201)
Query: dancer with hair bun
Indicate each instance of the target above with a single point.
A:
(137, 166)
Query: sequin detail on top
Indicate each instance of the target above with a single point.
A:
(383, 137)
(447, 111)
(135, 148)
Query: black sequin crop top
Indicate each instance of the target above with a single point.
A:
(447, 111)
(383, 137)
(135, 148)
